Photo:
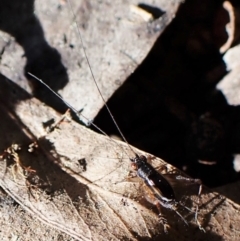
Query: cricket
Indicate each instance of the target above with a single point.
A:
(158, 185)
(160, 191)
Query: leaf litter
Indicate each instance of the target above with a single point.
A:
(97, 204)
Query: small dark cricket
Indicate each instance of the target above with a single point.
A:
(162, 192)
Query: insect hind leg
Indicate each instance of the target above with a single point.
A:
(162, 219)
(194, 181)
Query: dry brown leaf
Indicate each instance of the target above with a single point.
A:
(18, 224)
(99, 203)
(116, 39)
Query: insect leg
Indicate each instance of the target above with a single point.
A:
(184, 220)
(197, 181)
(162, 219)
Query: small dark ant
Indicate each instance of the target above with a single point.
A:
(161, 192)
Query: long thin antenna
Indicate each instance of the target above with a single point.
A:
(78, 114)
(94, 79)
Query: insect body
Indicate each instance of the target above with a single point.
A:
(152, 178)
(162, 193)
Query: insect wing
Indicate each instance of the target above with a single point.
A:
(160, 186)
